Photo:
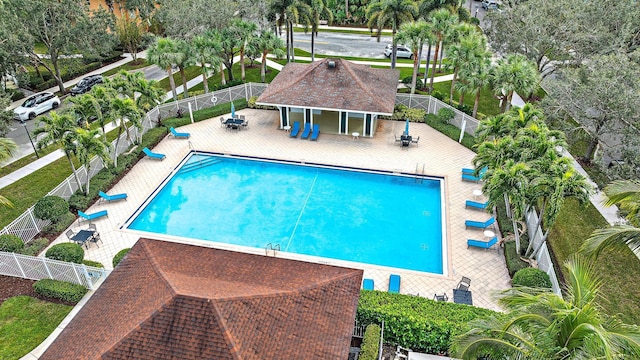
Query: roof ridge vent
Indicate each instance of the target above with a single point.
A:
(331, 64)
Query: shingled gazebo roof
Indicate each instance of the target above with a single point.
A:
(334, 84)
(174, 301)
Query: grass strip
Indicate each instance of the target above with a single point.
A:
(132, 65)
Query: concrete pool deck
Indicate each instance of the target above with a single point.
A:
(440, 156)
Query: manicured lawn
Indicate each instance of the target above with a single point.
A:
(190, 72)
(252, 74)
(25, 322)
(300, 52)
(140, 63)
(345, 30)
(619, 271)
(489, 105)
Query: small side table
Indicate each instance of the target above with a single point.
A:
(286, 128)
(356, 135)
(477, 193)
(489, 234)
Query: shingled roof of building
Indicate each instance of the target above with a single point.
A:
(343, 86)
(174, 301)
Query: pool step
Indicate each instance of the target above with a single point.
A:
(199, 164)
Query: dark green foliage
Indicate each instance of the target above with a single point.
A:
(513, 259)
(34, 247)
(51, 208)
(38, 83)
(531, 277)
(252, 104)
(15, 94)
(438, 95)
(60, 225)
(119, 256)
(464, 108)
(68, 252)
(370, 343)
(407, 80)
(417, 323)
(11, 243)
(205, 114)
(445, 114)
(78, 201)
(451, 131)
(93, 263)
(60, 290)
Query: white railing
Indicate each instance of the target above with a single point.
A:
(37, 268)
(27, 226)
(542, 256)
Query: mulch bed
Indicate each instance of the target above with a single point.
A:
(13, 286)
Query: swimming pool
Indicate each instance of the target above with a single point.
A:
(359, 216)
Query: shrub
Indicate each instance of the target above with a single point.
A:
(450, 130)
(407, 80)
(418, 323)
(59, 290)
(51, 208)
(16, 94)
(446, 114)
(531, 277)
(11, 243)
(119, 256)
(512, 258)
(60, 225)
(34, 247)
(370, 343)
(93, 263)
(68, 252)
(438, 95)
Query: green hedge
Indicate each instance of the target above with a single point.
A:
(513, 259)
(449, 130)
(93, 263)
(52, 208)
(532, 277)
(59, 290)
(204, 114)
(119, 256)
(417, 323)
(68, 252)
(11, 243)
(34, 247)
(370, 343)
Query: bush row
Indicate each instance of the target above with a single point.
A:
(417, 323)
(68, 252)
(13, 243)
(59, 290)
(452, 131)
(532, 277)
(37, 83)
(204, 114)
(370, 343)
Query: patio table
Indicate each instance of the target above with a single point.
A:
(82, 236)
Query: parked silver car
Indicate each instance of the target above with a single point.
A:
(401, 51)
(489, 4)
(36, 105)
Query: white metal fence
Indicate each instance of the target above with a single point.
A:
(37, 268)
(27, 226)
(543, 257)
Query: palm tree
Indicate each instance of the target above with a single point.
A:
(391, 12)
(59, 129)
(267, 42)
(183, 60)
(414, 34)
(441, 20)
(542, 325)
(124, 110)
(204, 55)
(7, 149)
(318, 9)
(464, 54)
(244, 31)
(164, 53)
(85, 108)
(625, 194)
(288, 12)
(475, 77)
(89, 143)
(103, 95)
(150, 94)
(514, 74)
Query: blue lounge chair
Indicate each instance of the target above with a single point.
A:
(467, 177)
(394, 283)
(482, 244)
(479, 224)
(153, 155)
(179, 134)
(93, 216)
(316, 132)
(307, 131)
(476, 205)
(114, 197)
(367, 284)
(295, 129)
(473, 171)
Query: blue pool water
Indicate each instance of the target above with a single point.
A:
(364, 217)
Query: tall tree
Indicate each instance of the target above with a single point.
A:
(383, 13)
(244, 31)
(165, 54)
(475, 77)
(130, 33)
(85, 109)
(59, 129)
(143, 9)
(267, 43)
(227, 47)
(7, 149)
(6, 116)
(543, 325)
(514, 74)
(185, 19)
(64, 27)
(414, 34)
(465, 53)
(89, 143)
(441, 21)
(319, 10)
(124, 112)
(204, 55)
(184, 59)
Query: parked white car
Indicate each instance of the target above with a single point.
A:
(36, 105)
(401, 51)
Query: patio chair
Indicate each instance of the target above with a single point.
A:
(111, 198)
(93, 216)
(222, 122)
(476, 205)
(306, 132)
(415, 140)
(442, 297)
(96, 235)
(179, 134)
(70, 234)
(245, 123)
(241, 117)
(295, 129)
(479, 224)
(394, 283)
(316, 132)
(398, 139)
(153, 155)
(482, 244)
(464, 284)
(367, 284)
